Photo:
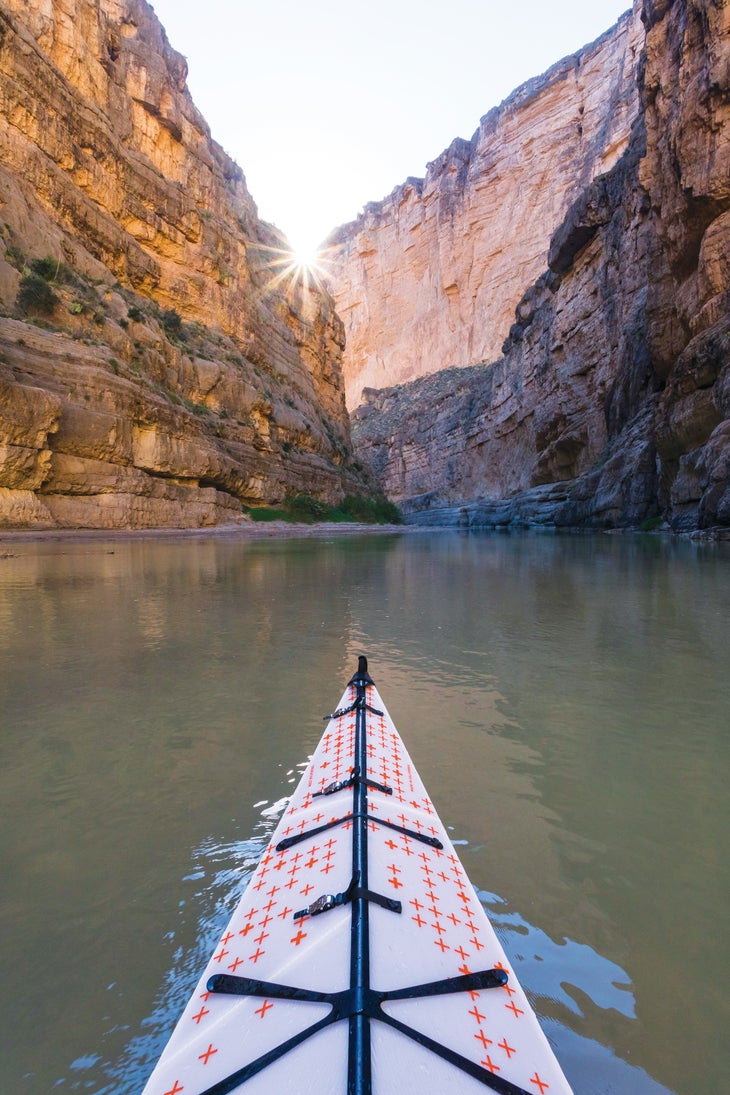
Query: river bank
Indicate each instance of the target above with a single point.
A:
(250, 530)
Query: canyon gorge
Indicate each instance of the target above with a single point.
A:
(536, 332)
(158, 367)
(575, 373)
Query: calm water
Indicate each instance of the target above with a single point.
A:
(566, 701)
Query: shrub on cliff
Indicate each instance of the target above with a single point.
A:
(35, 295)
(55, 271)
(172, 323)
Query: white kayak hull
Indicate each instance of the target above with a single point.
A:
(324, 1001)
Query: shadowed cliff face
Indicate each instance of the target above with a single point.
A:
(172, 374)
(611, 403)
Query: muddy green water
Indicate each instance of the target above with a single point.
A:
(566, 700)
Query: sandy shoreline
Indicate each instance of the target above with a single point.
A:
(249, 530)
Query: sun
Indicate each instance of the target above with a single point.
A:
(305, 257)
(295, 268)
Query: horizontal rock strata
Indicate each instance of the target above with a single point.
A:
(175, 373)
(611, 403)
(430, 277)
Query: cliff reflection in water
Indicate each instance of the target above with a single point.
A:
(565, 700)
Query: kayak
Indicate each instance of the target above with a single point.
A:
(359, 959)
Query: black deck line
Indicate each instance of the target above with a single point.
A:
(359, 1075)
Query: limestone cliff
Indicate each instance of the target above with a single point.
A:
(611, 403)
(430, 277)
(156, 368)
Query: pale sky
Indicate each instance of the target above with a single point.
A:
(329, 104)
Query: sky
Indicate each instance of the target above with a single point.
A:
(329, 104)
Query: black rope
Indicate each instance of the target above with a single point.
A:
(290, 841)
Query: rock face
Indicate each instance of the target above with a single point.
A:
(430, 277)
(155, 368)
(611, 403)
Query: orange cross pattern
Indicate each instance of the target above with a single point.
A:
(481, 1037)
(488, 1063)
(205, 1057)
(174, 1090)
(199, 1016)
(508, 1049)
(512, 1007)
(298, 937)
(264, 1008)
(477, 1014)
(538, 1082)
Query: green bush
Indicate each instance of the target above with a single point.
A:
(35, 295)
(305, 509)
(264, 513)
(45, 268)
(376, 510)
(172, 323)
(15, 256)
(54, 270)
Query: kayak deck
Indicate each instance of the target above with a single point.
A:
(393, 982)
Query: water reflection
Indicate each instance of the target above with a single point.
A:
(565, 700)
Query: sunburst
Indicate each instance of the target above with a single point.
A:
(290, 270)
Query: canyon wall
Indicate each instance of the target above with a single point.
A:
(158, 366)
(430, 277)
(610, 405)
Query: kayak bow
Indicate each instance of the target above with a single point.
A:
(359, 959)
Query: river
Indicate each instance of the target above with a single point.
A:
(565, 699)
